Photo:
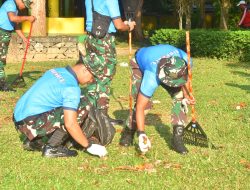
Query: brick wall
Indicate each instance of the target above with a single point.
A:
(50, 48)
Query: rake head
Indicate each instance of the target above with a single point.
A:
(194, 135)
(18, 82)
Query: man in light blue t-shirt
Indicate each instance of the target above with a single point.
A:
(9, 22)
(154, 66)
(53, 108)
(100, 50)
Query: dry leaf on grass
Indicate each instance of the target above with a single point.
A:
(101, 168)
(169, 165)
(245, 163)
(130, 181)
(240, 105)
(148, 167)
(8, 119)
(84, 167)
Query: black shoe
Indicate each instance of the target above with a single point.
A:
(178, 144)
(127, 137)
(59, 151)
(35, 145)
(115, 121)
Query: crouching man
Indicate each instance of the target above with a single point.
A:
(53, 108)
(160, 65)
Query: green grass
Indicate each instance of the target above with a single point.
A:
(219, 86)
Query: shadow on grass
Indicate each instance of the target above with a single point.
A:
(242, 74)
(27, 74)
(243, 87)
(161, 128)
(245, 65)
(152, 120)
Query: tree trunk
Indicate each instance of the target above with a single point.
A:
(179, 9)
(188, 13)
(224, 7)
(202, 23)
(39, 26)
(138, 29)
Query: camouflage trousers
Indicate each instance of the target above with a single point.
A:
(101, 60)
(178, 115)
(46, 123)
(4, 44)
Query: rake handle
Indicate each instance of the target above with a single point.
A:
(26, 50)
(189, 86)
(130, 78)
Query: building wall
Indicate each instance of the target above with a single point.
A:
(50, 48)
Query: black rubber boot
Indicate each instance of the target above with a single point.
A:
(178, 144)
(127, 134)
(55, 147)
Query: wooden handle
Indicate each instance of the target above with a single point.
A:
(190, 88)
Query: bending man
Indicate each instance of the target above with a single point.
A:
(53, 108)
(160, 65)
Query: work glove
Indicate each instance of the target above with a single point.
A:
(144, 142)
(184, 104)
(97, 150)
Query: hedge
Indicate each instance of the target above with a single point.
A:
(208, 43)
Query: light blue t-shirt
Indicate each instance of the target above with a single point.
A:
(104, 7)
(56, 88)
(148, 58)
(8, 6)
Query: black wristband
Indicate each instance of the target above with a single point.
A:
(140, 133)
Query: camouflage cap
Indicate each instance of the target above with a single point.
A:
(27, 3)
(172, 71)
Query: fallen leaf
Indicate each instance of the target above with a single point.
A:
(149, 167)
(130, 181)
(158, 162)
(172, 165)
(243, 105)
(247, 166)
(245, 163)
(8, 118)
(240, 105)
(84, 167)
(101, 168)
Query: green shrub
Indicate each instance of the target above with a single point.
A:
(208, 43)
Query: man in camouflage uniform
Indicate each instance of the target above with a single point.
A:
(53, 108)
(163, 65)
(9, 22)
(101, 53)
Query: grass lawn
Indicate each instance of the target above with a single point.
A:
(222, 91)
